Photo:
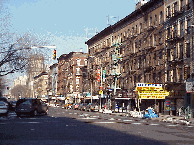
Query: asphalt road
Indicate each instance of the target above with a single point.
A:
(72, 127)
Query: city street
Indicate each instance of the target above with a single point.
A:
(71, 127)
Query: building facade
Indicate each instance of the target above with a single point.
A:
(140, 49)
(70, 75)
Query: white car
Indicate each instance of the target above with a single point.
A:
(4, 108)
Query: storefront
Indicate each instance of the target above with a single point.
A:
(150, 95)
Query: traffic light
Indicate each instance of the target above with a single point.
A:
(54, 54)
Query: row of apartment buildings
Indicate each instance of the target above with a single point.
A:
(153, 44)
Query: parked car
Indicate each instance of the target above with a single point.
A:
(92, 107)
(75, 106)
(5, 100)
(67, 106)
(82, 106)
(4, 108)
(31, 106)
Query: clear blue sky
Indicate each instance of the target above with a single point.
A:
(63, 21)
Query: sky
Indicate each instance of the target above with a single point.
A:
(64, 22)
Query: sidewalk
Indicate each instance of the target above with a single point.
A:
(161, 118)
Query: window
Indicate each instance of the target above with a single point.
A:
(77, 71)
(140, 27)
(160, 77)
(168, 14)
(181, 51)
(175, 31)
(160, 57)
(154, 58)
(78, 62)
(188, 50)
(181, 4)
(188, 26)
(155, 39)
(160, 37)
(150, 21)
(182, 28)
(168, 32)
(175, 7)
(154, 77)
(77, 80)
(155, 22)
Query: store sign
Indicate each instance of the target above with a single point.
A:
(151, 91)
(189, 87)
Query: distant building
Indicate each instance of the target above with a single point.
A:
(70, 75)
(21, 80)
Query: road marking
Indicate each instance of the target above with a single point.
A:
(136, 123)
(32, 129)
(104, 122)
(87, 118)
(189, 126)
(112, 119)
(28, 122)
(172, 125)
(95, 116)
(75, 113)
(70, 113)
(153, 124)
(127, 120)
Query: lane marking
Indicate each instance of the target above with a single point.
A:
(153, 124)
(28, 122)
(136, 123)
(105, 122)
(172, 125)
(127, 120)
(87, 118)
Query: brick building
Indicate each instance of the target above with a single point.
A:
(70, 75)
(136, 50)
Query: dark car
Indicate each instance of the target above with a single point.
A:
(30, 106)
(82, 106)
(92, 107)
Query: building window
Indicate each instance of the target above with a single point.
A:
(168, 32)
(77, 80)
(161, 17)
(175, 9)
(150, 21)
(181, 51)
(155, 39)
(188, 26)
(77, 71)
(154, 77)
(159, 77)
(182, 29)
(140, 27)
(175, 31)
(155, 22)
(168, 14)
(188, 50)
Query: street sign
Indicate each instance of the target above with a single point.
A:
(100, 92)
(190, 86)
(104, 75)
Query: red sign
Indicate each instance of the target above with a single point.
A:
(98, 75)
